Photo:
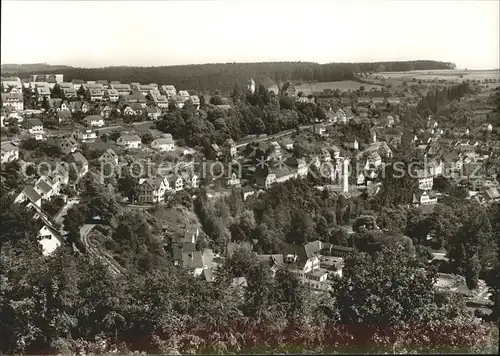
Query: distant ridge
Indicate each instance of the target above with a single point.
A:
(226, 76)
(31, 67)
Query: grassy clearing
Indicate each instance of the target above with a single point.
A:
(343, 85)
(448, 75)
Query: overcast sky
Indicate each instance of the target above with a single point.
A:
(103, 33)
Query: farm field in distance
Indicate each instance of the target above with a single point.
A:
(343, 85)
(446, 74)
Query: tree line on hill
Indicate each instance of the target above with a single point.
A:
(224, 76)
(440, 97)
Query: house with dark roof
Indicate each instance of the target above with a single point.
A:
(31, 195)
(66, 144)
(153, 112)
(424, 197)
(46, 187)
(168, 90)
(197, 261)
(196, 101)
(164, 144)
(94, 121)
(151, 190)
(133, 109)
(129, 141)
(136, 97)
(10, 152)
(82, 165)
(64, 116)
(303, 257)
(109, 156)
(161, 101)
(289, 90)
(69, 93)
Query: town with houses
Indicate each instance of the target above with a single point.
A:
(61, 133)
(100, 107)
(232, 191)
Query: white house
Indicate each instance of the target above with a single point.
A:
(176, 182)
(425, 179)
(129, 141)
(35, 127)
(81, 163)
(164, 144)
(168, 90)
(113, 95)
(196, 101)
(96, 94)
(94, 121)
(233, 181)
(161, 101)
(320, 130)
(13, 99)
(29, 193)
(373, 161)
(87, 135)
(151, 190)
(340, 116)
(45, 187)
(49, 239)
(10, 152)
(424, 197)
(109, 156)
(153, 112)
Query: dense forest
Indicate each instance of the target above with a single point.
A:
(440, 97)
(224, 76)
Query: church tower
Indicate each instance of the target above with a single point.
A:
(251, 86)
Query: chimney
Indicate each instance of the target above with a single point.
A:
(345, 176)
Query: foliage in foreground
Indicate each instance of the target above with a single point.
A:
(64, 304)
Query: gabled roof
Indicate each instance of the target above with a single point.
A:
(78, 157)
(119, 86)
(135, 106)
(63, 114)
(34, 122)
(163, 141)
(152, 110)
(96, 91)
(135, 96)
(110, 152)
(43, 91)
(12, 97)
(492, 193)
(93, 118)
(130, 138)
(155, 183)
(31, 194)
(7, 147)
(44, 186)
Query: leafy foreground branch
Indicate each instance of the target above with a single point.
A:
(69, 304)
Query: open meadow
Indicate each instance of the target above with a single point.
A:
(451, 75)
(343, 85)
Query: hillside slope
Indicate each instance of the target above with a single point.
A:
(225, 76)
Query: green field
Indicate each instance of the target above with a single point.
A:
(341, 85)
(447, 74)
